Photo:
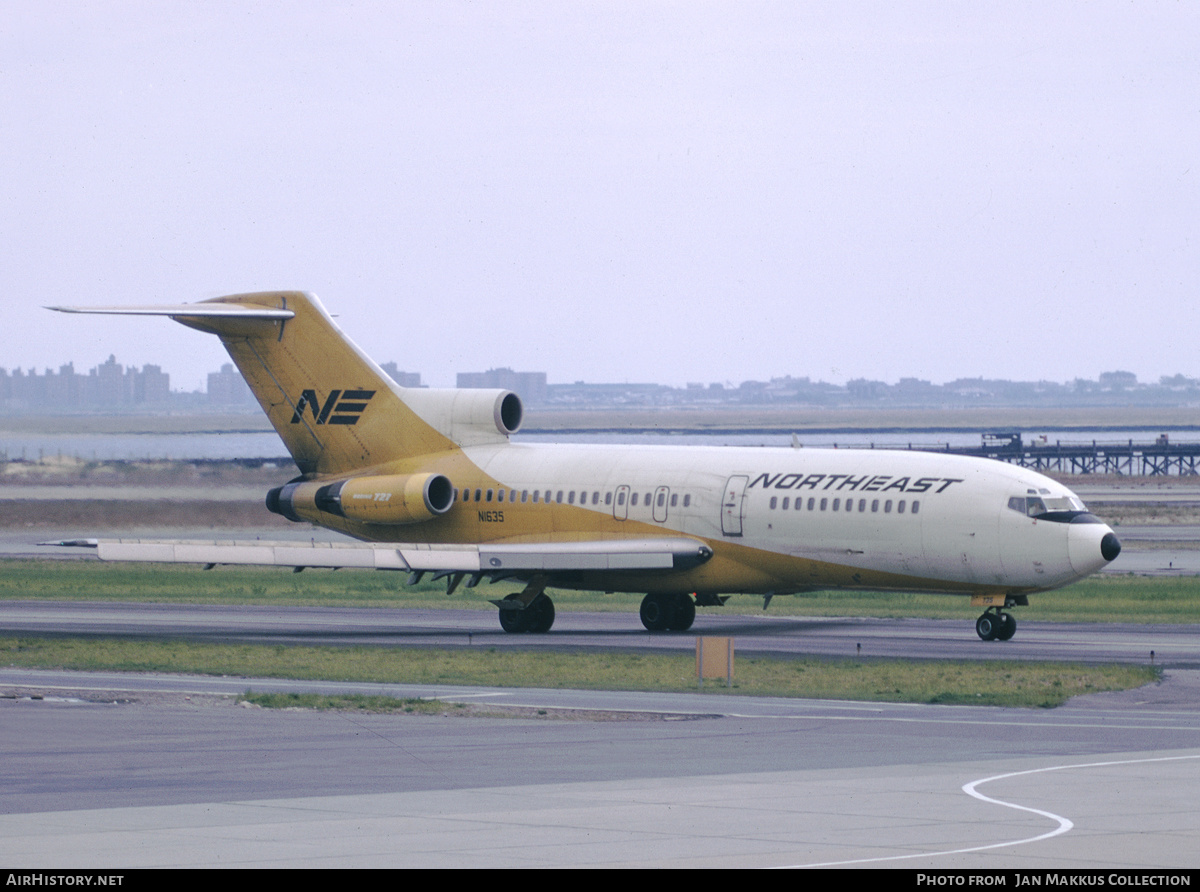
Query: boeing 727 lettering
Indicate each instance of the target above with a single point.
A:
(429, 482)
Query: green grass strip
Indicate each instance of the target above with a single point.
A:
(1131, 599)
(931, 681)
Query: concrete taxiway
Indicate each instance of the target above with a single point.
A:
(696, 780)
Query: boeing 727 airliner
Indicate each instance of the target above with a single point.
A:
(429, 483)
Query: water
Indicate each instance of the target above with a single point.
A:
(136, 447)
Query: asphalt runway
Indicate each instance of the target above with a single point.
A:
(1163, 645)
(701, 780)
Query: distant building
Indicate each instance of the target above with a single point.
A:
(404, 379)
(530, 386)
(228, 389)
(582, 395)
(151, 386)
(108, 386)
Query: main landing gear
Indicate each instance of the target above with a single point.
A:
(529, 611)
(537, 617)
(995, 625)
(662, 612)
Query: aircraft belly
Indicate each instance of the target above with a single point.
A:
(741, 568)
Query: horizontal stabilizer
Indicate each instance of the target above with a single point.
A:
(546, 557)
(217, 311)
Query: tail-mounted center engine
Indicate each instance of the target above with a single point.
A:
(468, 417)
(384, 499)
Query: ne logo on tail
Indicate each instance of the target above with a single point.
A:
(340, 407)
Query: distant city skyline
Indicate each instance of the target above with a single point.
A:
(113, 385)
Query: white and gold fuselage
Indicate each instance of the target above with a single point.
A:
(777, 520)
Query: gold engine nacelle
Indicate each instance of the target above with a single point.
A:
(384, 499)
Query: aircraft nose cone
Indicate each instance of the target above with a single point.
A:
(1091, 546)
(1110, 547)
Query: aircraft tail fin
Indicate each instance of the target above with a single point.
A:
(334, 408)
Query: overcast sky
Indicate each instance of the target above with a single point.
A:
(614, 191)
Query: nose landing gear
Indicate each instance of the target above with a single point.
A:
(995, 625)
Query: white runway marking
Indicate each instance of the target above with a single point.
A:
(971, 789)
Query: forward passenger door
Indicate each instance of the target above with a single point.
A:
(731, 504)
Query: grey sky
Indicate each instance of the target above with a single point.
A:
(614, 191)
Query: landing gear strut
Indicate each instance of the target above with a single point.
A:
(662, 612)
(995, 625)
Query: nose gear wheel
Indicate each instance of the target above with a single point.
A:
(995, 625)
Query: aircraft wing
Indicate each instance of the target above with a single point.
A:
(501, 559)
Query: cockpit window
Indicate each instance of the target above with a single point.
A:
(1064, 503)
(1033, 506)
